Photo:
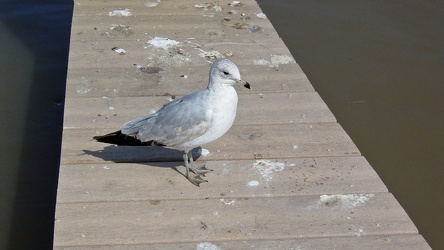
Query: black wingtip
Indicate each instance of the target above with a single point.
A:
(117, 138)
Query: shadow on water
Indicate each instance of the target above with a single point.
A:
(379, 67)
(34, 44)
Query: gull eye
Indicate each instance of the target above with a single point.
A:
(226, 73)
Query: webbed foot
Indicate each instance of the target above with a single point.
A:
(196, 179)
(202, 170)
(194, 174)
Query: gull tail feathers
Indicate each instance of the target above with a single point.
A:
(119, 139)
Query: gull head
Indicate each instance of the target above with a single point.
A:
(224, 72)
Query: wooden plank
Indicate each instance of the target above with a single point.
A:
(228, 219)
(392, 242)
(145, 27)
(236, 179)
(131, 81)
(241, 142)
(95, 20)
(112, 112)
(269, 52)
(168, 8)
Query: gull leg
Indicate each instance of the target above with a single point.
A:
(196, 179)
(202, 170)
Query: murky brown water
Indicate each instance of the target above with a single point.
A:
(34, 42)
(379, 65)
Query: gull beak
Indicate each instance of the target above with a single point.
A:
(245, 83)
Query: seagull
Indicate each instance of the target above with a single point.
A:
(188, 122)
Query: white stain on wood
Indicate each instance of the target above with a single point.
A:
(347, 201)
(267, 168)
(274, 61)
(125, 12)
(207, 246)
(253, 183)
(152, 4)
(261, 15)
(163, 42)
(227, 201)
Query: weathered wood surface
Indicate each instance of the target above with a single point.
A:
(101, 112)
(241, 142)
(392, 242)
(131, 81)
(286, 175)
(101, 182)
(224, 219)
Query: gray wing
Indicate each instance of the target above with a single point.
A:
(177, 122)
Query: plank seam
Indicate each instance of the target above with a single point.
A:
(385, 235)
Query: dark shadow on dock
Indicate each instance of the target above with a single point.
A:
(154, 156)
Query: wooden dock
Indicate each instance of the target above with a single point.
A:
(286, 176)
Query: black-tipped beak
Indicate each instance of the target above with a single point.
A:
(247, 85)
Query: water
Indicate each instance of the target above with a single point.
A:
(378, 65)
(34, 44)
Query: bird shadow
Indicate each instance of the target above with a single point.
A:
(144, 155)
